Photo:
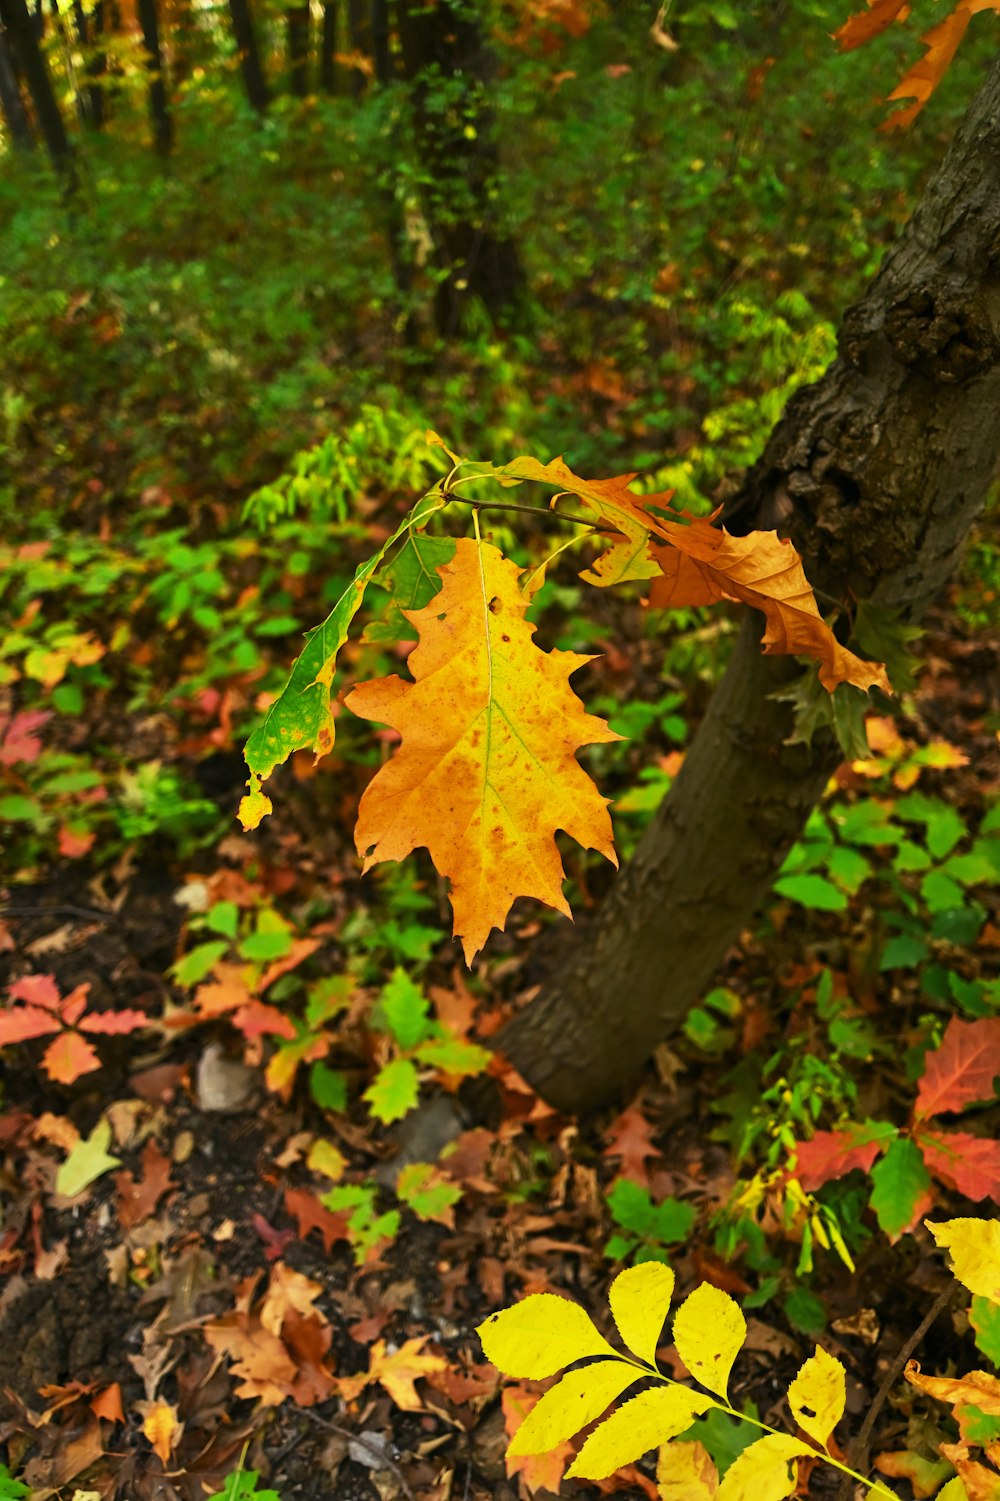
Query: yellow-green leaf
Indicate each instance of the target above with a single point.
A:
(576, 1400)
(540, 1335)
(817, 1396)
(87, 1161)
(639, 1298)
(637, 1426)
(709, 1330)
(764, 1471)
(975, 1253)
(685, 1472)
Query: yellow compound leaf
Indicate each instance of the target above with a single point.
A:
(818, 1395)
(975, 1389)
(639, 1298)
(540, 1335)
(709, 1330)
(487, 770)
(576, 1400)
(764, 1471)
(975, 1252)
(644, 1423)
(685, 1472)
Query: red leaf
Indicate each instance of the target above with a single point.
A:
(962, 1070)
(75, 843)
(970, 1164)
(138, 1200)
(831, 1154)
(37, 990)
(258, 1018)
(113, 1023)
(74, 1005)
(869, 23)
(25, 1022)
(19, 742)
(629, 1139)
(310, 1214)
(69, 1058)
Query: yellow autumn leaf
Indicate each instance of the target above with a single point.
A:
(327, 1159)
(289, 1292)
(975, 1253)
(685, 1472)
(639, 1298)
(818, 1395)
(764, 1471)
(645, 1422)
(576, 1400)
(540, 1335)
(953, 1490)
(709, 1330)
(487, 770)
(161, 1427)
(974, 1389)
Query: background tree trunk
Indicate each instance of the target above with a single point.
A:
(443, 44)
(30, 63)
(159, 110)
(328, 48)
(297, 30)
(246, 42)
(878, 471)
(94, 60)
(14, 113)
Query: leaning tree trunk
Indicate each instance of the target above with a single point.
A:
(23, 35)
(12, 105)
(877, 471)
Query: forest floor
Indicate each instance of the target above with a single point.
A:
(181, 1305)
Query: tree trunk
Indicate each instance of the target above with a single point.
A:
(359, 20)
(246, 42)
(443, 45)
(877, 472)
(30, 61)
(297, 27)
(95, 61)
(14, 113)
(159, 112)
(328, 48)
(380, 41)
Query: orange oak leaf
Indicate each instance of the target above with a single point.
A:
(702, 564)
(36, 1010)
(137, 1200)
(923, 78)
(537, 1471)
(161, 1426)
(970, 1164)
(963, 1069)
(264, 1366)
(69, 1057)
(487, 771)
(976, 1388)
(396, 1372)
(865, 24)
(629, 1138)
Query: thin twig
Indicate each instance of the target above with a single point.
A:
(380, 1458)
(512, 505)
(857, 1456)
(61, 910)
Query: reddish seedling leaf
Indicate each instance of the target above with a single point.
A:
(69, 1058)
(963, 1069)
(38, 1011)
(831, 1154)
(18, 741)
(629, 1139)
(970, 1164)
(114, 1023)
(310, 1214)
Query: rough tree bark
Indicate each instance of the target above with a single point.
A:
(878, 471)
(22, 33)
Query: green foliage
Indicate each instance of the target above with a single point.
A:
(645, 1228)
(11, 1489)
(241, 1485)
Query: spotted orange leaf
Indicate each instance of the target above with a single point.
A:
(486, 772)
